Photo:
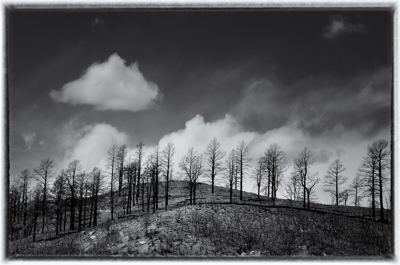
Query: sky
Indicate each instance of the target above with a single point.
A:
(80, 81)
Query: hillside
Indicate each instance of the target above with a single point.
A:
(215, 228)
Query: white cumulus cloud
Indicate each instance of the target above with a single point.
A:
(111, 85)
(90, 145)
(198, 134)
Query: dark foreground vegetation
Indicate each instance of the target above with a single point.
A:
(253, 227)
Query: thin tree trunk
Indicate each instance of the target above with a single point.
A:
(65, 213)
(380, 189)
(80, 211)
(230, 191)
(72, 217)
(166, 187)
(194, 193)
(95, 209)
(373, 191)
(84, 209)
(143, 206)
(212, 176)
(57, 218)
(241, 179)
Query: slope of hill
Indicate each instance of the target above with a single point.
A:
(214, 228)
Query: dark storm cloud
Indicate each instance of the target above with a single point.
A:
(318, 103)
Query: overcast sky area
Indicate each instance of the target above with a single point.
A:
(81, 81)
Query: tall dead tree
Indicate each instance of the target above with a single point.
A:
(131, 170)
(43, 175)
(213, 159)
(121, 156)
(334, 179)
(242, 152)
(156, 173)
(25, 180)
(73, 170)
(230, 165)
(87, 189)
(368, 172)
(14, 199)
(191, 165)
(381, 154)
(355, 189)
(111, 166)
(374, 169)
(97, 184)
(139, 157)
(302, 166)
(258, 174)
(37, 195)
(59, 190)
(167, 156)
(275, 163)
(81, 179)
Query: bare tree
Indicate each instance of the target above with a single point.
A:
(14, 200)
(87, 186)
(59, 190)
(131, 170)
(230, 166)
(275, 162)
(112, 159)
(81, 179)
(379, 152)
(213, 156)
(236, 172)
(355, 189)
(156, 173)
(139, 157)
(37, 195)
(368, 170)
(197, 172)
(258, 175)
(121, 156)
(302, 166)
(191, 165)
(243, 162)
(73, 170)
(147, 178)
(167, 155)
(96, 185)
(291, 187)
(334, 178)
(43, 175)
(25, 179)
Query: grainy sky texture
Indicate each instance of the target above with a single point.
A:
(81, 81)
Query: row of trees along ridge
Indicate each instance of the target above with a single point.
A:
(54, 200)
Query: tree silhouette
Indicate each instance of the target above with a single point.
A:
(243, 162)
(213, 156)
(43, 175)
(334, 178)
